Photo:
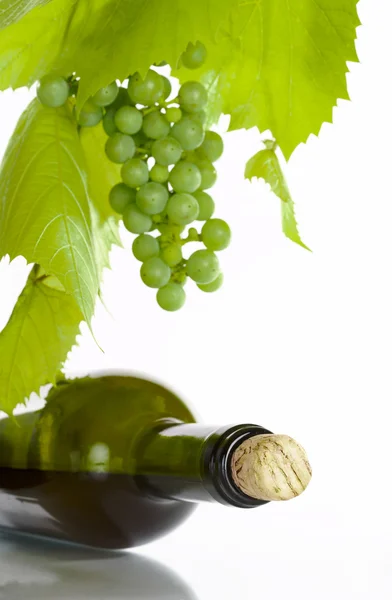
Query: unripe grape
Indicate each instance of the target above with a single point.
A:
(108, 122)
(167, 151)
(194, 56)
(53, 91)
(128, 119)
(203, 266)
(144, 247)
(155, 126)
(135, 172)
(122, 99)
(200, 117)
(155, 273)
(193, 96)
(119, 148)
(189, 133)
(152, 198)
(106, 95)
(206, 205)
(146, 91)
(182, 209)
(171, 297)
(90, 115)
(212, 147)
(159, 174)
(213, 286)
(216, 234)
(208, 174)
(172, 254)
(120, 197)
(185, 177)
(136, 221)
(173, 114)
(167, 88)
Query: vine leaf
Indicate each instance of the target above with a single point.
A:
(37, 338)
(12, 11)
(281, 65)
(102, 174)
(265, 165)
(29, 47)
(43, 327)
(45, 212)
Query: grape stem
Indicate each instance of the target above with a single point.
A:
(169, 103)
(193, 236)
(147, 111)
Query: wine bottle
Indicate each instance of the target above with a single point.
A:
(115, 462)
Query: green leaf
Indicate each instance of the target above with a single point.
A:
(120, 37)
(281, 65)
(265, 165)
(102, 174)
(37, 338)
(12, 11)
(30, 46)
(45, 210)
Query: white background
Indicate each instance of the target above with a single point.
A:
(299, 342)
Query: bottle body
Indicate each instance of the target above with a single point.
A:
(113, 462)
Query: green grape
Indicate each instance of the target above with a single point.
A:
(172, 254)
(206, 205)
(109, 124)
(208, 174)
(155, 126)
(152, 198)
(146, 91)
(155, 273)
(203, 266)
(213, 286)
(136, 221)
(200, 117)
(189, 133)
(140, 139)
(159, 174)
(173, 114)
(170, 231)
(171, 297)
(182, 209)
(193, 96)
(194, 56)
(120, 196)
(167, 87)
(185, 177)
(119, 148)
(212, 147)
(128, 119)
(134, 172)
(106, 95)
(216, 234)
(90, 115)
(167, 151)
(122, 99)
(144, 247)
(53, 91)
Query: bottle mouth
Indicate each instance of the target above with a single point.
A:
(217, 467)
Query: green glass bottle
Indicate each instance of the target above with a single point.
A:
(115, 462)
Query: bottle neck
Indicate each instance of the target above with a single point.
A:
(192, 462)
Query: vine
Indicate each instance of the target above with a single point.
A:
(105, 139)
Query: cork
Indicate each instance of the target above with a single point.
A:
(271, 467)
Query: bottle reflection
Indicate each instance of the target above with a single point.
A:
(36, 569)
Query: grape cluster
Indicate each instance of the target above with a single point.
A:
(167, 161)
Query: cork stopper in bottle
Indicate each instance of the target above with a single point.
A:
(271, 467)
